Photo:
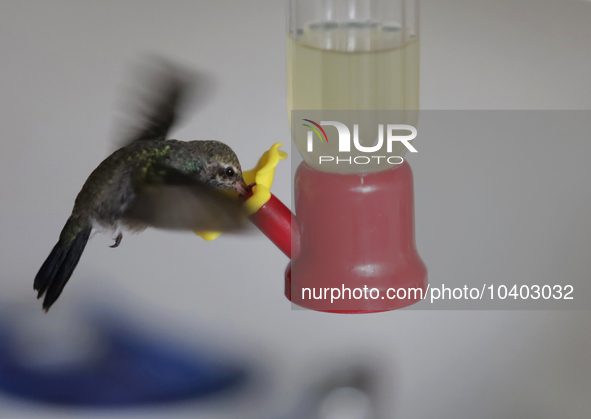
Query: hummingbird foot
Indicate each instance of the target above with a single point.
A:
(117, 241)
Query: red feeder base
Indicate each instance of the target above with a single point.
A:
(354, 232)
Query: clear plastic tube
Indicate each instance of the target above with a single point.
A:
(352, 55)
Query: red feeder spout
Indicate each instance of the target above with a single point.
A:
(277, 222)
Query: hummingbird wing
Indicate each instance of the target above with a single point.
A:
(175, 201)
(163, 94)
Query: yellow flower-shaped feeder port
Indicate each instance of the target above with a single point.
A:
(262, 175)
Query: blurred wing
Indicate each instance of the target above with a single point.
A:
(177, 202)
(164, 92)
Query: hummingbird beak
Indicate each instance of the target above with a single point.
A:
(241, 187)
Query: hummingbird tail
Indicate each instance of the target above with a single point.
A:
(61, 262)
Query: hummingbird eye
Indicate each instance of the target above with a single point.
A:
(230, 172)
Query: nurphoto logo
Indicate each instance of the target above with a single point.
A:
(344, 142)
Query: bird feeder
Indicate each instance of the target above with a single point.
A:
(353, 73)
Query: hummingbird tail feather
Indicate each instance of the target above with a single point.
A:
(61, 262)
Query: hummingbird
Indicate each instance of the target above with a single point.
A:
(151, 181)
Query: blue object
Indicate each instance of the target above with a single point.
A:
(130, 370)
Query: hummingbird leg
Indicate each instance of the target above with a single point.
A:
(117, 241)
